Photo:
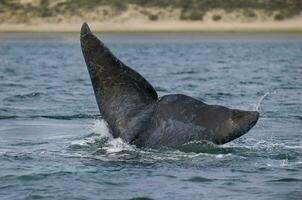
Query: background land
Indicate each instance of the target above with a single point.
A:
(151, 15)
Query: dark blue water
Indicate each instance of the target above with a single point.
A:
(54, 144)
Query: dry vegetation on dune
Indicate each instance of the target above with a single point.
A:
(35, 11)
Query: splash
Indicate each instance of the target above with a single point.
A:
(100, 127)
(113, 145)
(117, 145)
(101, 140)
(257, 106)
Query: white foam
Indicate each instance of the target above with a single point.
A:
(220, 156)
(117, 145)
(284, 163)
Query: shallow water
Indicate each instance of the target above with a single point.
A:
(54, 144)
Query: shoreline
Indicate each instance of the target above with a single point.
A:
(287, 26)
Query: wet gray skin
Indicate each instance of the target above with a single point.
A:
(134, 112)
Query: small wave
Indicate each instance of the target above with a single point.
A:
(5, 187)
(141, 198)
(10, 71)
(24, 96)
(286, 180)
(224, 94)
(198, 179)
(201, 147)
(10, 156)
(298, 117)
(67, 117)
(8, 117)
(30, 95)
(13, 85)
(184, 72)
(34, 176)
(60, 117)
(29, 143)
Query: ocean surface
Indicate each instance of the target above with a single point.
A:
(55, 145)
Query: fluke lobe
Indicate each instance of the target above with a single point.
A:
(133, 111)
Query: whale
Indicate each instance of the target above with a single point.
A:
(135, 113)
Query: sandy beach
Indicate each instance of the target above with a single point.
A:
(291, 25)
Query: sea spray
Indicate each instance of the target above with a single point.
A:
(112, 145)
(100, 127)
(257, 106)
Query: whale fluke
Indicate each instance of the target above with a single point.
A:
(180, 119)
(131, 107)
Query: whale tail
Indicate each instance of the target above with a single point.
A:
(133, 112)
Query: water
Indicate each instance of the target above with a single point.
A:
(54, 144)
